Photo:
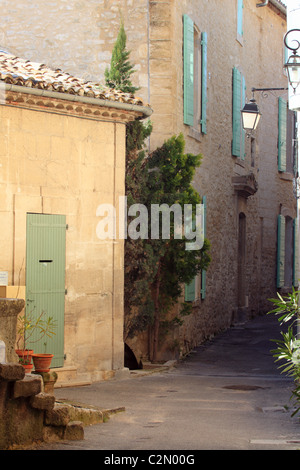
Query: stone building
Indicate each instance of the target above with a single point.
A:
(62, 155)
(196, 62)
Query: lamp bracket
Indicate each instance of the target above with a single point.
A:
(294, 49)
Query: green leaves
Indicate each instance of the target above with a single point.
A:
(118, 76)
(157, 269)
(288, 348)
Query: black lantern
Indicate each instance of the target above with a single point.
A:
(250, 115)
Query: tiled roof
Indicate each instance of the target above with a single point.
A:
(17, 71)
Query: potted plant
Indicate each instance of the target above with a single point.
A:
(27, 325)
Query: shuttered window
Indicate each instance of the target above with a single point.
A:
(238, 101)
(282, 132)
(280, 250)
(203, 272)
(190, 291)
(295, 253)
(194, 76)
(188, 70)
(203, 81)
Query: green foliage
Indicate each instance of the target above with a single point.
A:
(156, 270)
(43, 327)
(118, 76)
(288, 348)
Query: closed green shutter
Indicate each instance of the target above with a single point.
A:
(203, 81)
(243, 133)
(295, 253)
(240, 7)
(236, 113)
(188, 70)
(190, 291)
(282, 127)
(45, 279)
(280, 250)
(203, 272)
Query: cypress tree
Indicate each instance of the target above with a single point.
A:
(118, 76)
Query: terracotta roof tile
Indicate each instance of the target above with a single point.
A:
(17, 71)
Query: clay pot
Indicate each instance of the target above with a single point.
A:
(25, 355)
(28, 368)
(42, 362)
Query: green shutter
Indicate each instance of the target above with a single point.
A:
(243, 133)
(282, 127)
(188, 70)
(203, 81)
(280, 250)
(295, 253)
(203, 272)
(236, 113)
(190, 291)
(45, 278)
(240, 7)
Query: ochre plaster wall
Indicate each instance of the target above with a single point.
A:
(60, 164)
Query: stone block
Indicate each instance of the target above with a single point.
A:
(43, 401)
(11, 372)
(58, 416)
(30, 385)
(74, 431)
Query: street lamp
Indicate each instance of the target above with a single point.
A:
(250, 115)
(293, 64)
(250, 112)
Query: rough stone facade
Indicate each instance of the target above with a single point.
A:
(81, 35)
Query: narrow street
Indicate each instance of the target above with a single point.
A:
(227, 395)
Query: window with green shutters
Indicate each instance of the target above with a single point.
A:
(203, 81)
(190, 289)
(282, 129)
(194, 76)
(188, 70)
(280, 250)
(295, 253)
(287, 138)
(287, 229)
(238, 101)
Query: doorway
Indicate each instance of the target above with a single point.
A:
(45, 279)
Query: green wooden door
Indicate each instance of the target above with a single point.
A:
(45, 279)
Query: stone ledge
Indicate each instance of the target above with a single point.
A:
(43, 401)
(11, 372)
(30, 385)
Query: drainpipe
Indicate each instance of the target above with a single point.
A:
(276, 3)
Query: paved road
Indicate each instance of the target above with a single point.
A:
(227, 395)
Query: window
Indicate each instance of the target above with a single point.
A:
(190, 290)
(194, 75)
(287, 259)
(287, 125)
(238, 101)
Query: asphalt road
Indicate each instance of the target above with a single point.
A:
(227, 395)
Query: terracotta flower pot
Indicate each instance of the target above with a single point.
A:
(42, 362)
(28, 368)
(25, 355)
